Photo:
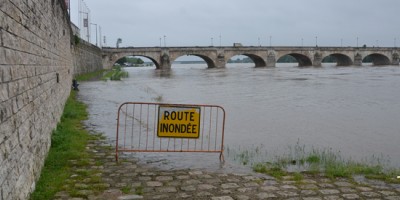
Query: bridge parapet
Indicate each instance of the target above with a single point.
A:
(217, 57)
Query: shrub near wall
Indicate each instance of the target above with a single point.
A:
(35, 75)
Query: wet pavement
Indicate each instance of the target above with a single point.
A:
(101, 178)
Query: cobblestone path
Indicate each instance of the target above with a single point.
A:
(103, 179)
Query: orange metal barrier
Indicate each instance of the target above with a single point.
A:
(137, 130)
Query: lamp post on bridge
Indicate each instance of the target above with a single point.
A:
(270, 41)
(341, 42)
(316, 41)
(165, 42)
(212, 41)
(357, 41)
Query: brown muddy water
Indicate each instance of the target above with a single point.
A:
(354, 110)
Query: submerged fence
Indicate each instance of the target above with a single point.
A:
(155, 127)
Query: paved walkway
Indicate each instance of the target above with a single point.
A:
(101, 178)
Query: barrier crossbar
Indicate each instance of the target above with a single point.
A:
(137, 125)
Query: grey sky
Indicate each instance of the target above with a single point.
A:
(195, 22)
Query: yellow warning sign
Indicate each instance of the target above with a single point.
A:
(178, 122)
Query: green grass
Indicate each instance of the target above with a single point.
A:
(297, 177)
(299, 159)
(68, 142)
(126, 190)
(107, 75)
(116, 74)
(270, 169)
(139, 190)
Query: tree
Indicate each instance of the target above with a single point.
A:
(119, 41)
(122, 61)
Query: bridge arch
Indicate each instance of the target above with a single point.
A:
(113, 58)
(148, 57)
(210, 62)
(257, 60)
(257, 56)
(303, 60)
(377, 59)
(341, 59)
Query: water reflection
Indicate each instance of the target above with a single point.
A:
(163, 73)
(351, 109)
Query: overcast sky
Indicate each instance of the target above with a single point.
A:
(250, 22)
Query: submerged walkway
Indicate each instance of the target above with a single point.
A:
(101, 178)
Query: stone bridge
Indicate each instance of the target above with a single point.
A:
(217, 57)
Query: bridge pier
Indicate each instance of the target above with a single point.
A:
(395, 59)
(317, 62)
(358, 60)
(271, 59)
(165, 62)
(220, 62)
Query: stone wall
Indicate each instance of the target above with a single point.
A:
(87, 58)
(36, 70)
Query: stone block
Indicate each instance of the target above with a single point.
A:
(18, 72)
(6, 190)
(6, 129)
(166, 189)
(3, 92)
(2, 60)
(11, 41)
(329, 191)
(12, 89)
(154, 184)
(229, 185)
(14, 105)
(30, 71)
(6, 73)
(5, 110)
(12, 56)
(11, 145)
(164, 178)
(25, 99)
(24, 134)
(20, 101)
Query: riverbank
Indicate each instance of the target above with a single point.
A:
(104, 179)
(81, 165)
(68, 142)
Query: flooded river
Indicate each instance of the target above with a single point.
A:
(354, 110)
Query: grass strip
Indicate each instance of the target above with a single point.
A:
(312, 160)
(116, 74)
(68, 142)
